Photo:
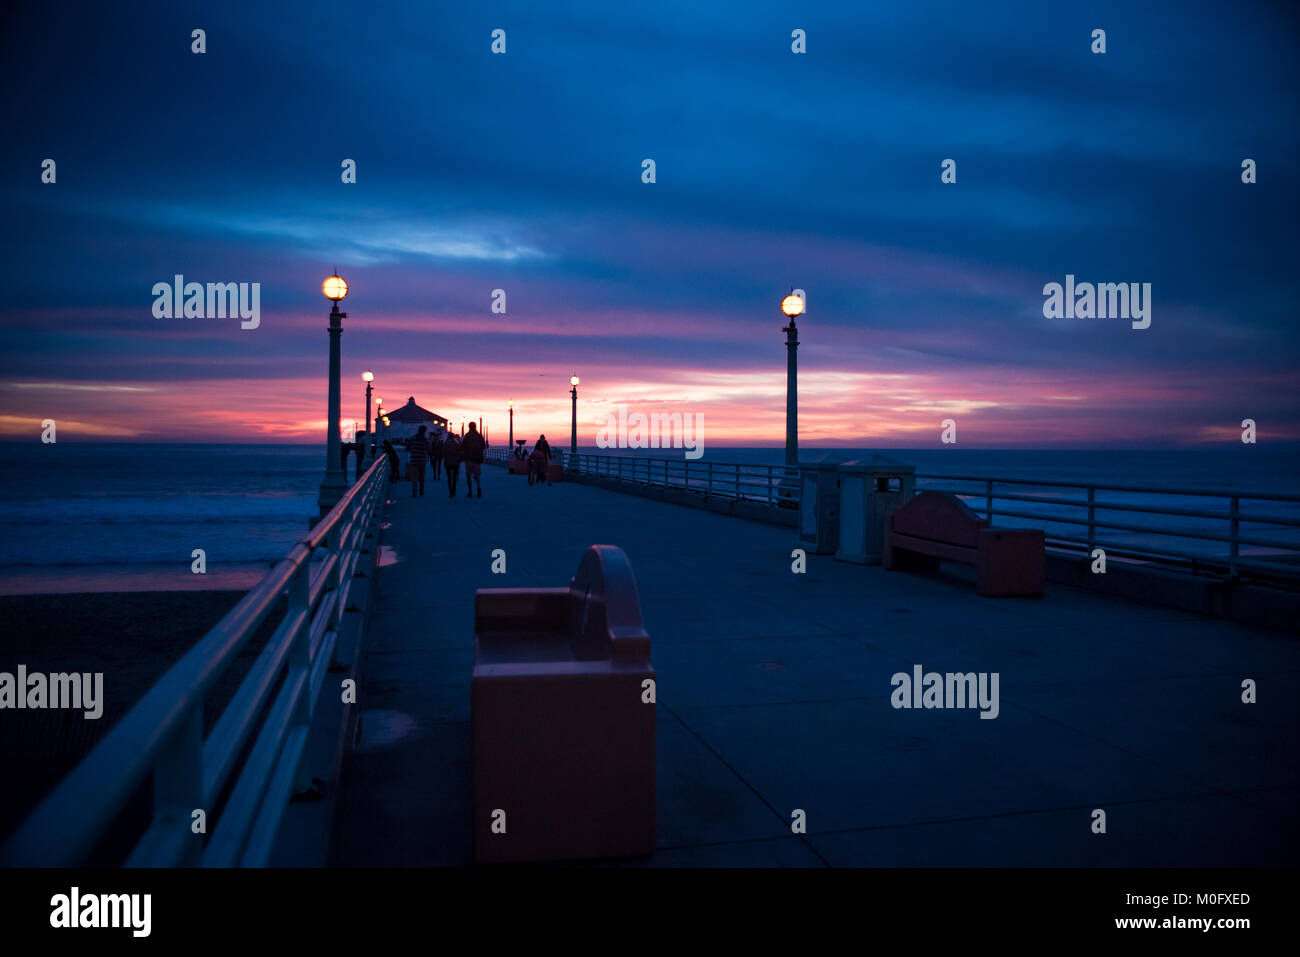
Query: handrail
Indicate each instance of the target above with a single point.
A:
(760, 484)
(1282, 567)
(1163, 490)
(1221, 550)
(162, 735)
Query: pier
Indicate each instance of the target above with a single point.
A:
(775, 704)
(774, 695)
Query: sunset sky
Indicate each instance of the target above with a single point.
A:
(774, 170)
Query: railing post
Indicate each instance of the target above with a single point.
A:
(178, 789)
(332, 583)
(737, 468)
(300, 659)
(368, 506)
(988, 500)
(708, 487)
(334, 549)
(1092, 518)
(1234, 528)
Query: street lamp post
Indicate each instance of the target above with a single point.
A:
(573, 431)
(369, 378)
(512, 425)
(335, 484)
(792, 305)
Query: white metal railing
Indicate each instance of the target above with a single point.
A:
(762, 484)
(1232, 539)
(162, 736)
(1083, 516)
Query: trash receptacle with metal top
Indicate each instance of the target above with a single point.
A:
(819, 505)
(870, 488)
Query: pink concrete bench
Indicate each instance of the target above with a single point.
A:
(563, 738)
(935, 526)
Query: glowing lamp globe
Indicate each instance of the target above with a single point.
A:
(368, 377)
(573, 380)
(792, 305)
(335, 287)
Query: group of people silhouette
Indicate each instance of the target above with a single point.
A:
(444, 451)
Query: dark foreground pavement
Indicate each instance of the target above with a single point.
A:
(774, 695)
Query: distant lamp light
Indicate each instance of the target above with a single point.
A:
(386, 422)
(335, 287)
(511, 403)
(368, 376)
(573, 380)
(792, 305)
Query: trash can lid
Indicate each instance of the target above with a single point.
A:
(876, 464)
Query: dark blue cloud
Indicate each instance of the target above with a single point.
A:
(478, 170)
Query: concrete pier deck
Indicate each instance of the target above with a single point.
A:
(774, 695)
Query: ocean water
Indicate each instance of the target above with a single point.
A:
(108, 515)
(1245, 467)
(121, 516)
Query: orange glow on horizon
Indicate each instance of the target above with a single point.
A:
(841, 407)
